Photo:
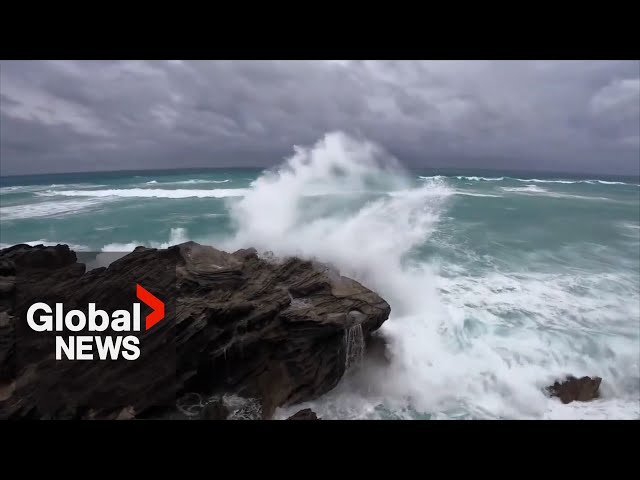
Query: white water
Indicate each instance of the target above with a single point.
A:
(148, 193)
(177, 236)
(47, 243)
(440, 366)
(526, 188)
(537, 180)
(47, 209)
(188, 182)
(354, 346)
(484, 179)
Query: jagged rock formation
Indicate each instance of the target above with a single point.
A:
(305, 414)
(576, 389)
(280, 332)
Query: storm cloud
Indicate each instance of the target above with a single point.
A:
(572, 116)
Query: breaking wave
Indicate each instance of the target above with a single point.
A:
(591, 182)
(188, 182)
(450, 358)
(481, 319)
(483, 179)
(177, 236)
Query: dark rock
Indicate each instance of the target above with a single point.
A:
(215, 410)
(306, 414)
(7, 267)
(38, 257)
(576, 389)
(271, 330)
(126, 413)
(244, 408)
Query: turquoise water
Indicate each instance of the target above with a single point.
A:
(499, 282)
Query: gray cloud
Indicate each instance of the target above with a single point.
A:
(107, 115)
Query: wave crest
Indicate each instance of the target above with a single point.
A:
(147, 193)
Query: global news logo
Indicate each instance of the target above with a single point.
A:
(87, 347)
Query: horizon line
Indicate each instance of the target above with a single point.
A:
(264, 167)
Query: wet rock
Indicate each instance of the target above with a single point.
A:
(274, 330)
(215, 410)
(306, 414)
(574, 389)
(126, 413)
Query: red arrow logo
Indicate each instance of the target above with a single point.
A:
(155, 303)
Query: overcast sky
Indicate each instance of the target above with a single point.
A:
(572, 116)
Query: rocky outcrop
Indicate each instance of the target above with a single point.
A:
(305, 414)
(574, 389)
(215, 410)
(281, 332)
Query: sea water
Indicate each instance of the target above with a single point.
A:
(499, 282)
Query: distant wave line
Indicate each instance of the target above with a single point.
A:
(527, 180)
(148, 193)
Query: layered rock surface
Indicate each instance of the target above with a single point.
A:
(281, 331)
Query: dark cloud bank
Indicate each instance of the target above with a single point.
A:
(571, 116)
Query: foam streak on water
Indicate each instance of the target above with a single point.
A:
(147, 193)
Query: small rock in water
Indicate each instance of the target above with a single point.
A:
(576, 389)
(306, 414)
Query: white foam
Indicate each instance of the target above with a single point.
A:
(526, 189)
(483, 179)
(148, 193)
(634, 226)
(47, 243)
(536, 190)
(581, 197)
(474, 194)
(462, 347)
(46, 209)
(434, 177)
(204, 181)
(604, 182)
(591, 182)
(536, 180)
(188, 182)
(12, 189)
(176, 236)
(36, 188)
(530, 180)
(602, 409)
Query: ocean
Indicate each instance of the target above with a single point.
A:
(499, 282)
